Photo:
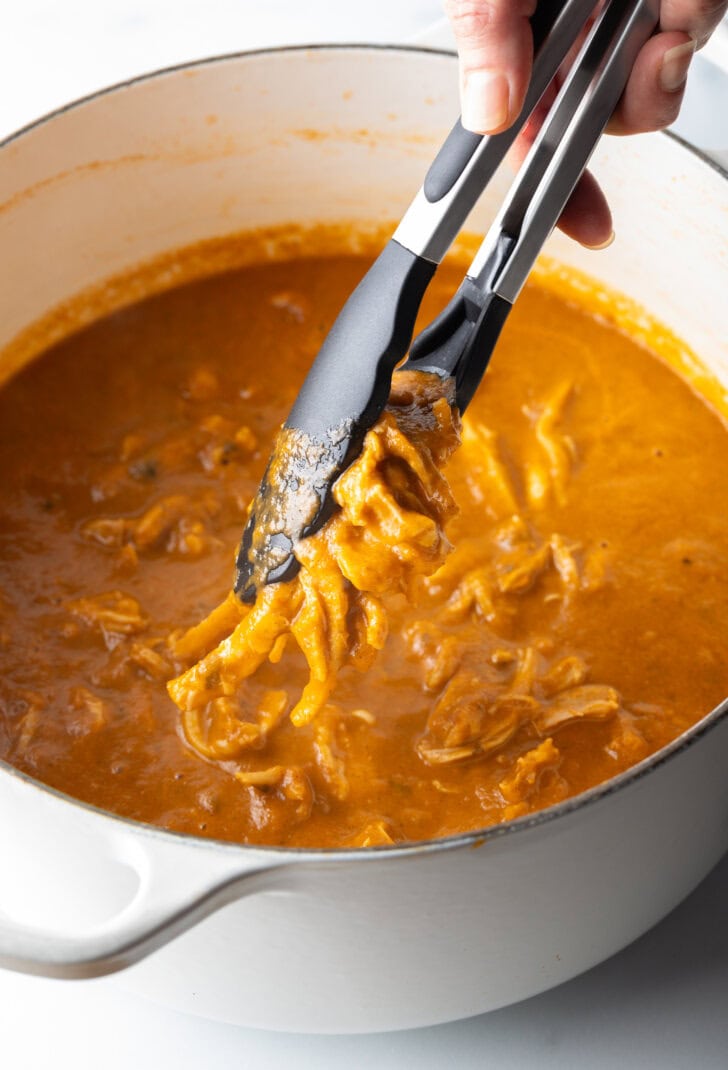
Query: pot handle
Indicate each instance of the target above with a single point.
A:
(63, 861)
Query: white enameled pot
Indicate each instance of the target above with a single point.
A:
(369, 939)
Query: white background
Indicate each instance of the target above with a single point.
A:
(663, 1002)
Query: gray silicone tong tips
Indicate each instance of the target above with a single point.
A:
(349, 382)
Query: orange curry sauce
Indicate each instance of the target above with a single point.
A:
(578, 624)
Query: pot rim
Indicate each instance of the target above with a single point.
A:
(268, 50)
(473, 838)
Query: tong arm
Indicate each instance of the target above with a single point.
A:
(460, 341)
(466, 162)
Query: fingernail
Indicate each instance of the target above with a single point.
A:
(675, 64)
(604, 244)
(486, 101)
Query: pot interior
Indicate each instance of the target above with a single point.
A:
(307, 136)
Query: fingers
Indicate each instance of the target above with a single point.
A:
(586, 217)
(495, 46)
(656, 85)
(698, 18)
(655, 89)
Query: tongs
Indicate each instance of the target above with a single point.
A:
(349, 381)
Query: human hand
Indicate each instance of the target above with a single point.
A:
(495, 47)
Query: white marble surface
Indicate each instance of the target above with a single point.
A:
(52, 51)
(663, 1002)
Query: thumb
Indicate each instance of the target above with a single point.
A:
(495, 45)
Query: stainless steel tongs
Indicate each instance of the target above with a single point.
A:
(349, 382)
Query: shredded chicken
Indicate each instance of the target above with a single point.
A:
(528, 777)
(114, 614)
(218, 732)
(479, 710)
(547, 474)
(173, 524)
(27, 726)
(89, 712)
(488, 478)
(393, 505)
(375, 834)
(387, 538)
(290, 785)
(590, 702)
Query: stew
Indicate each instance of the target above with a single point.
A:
(566, 621)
